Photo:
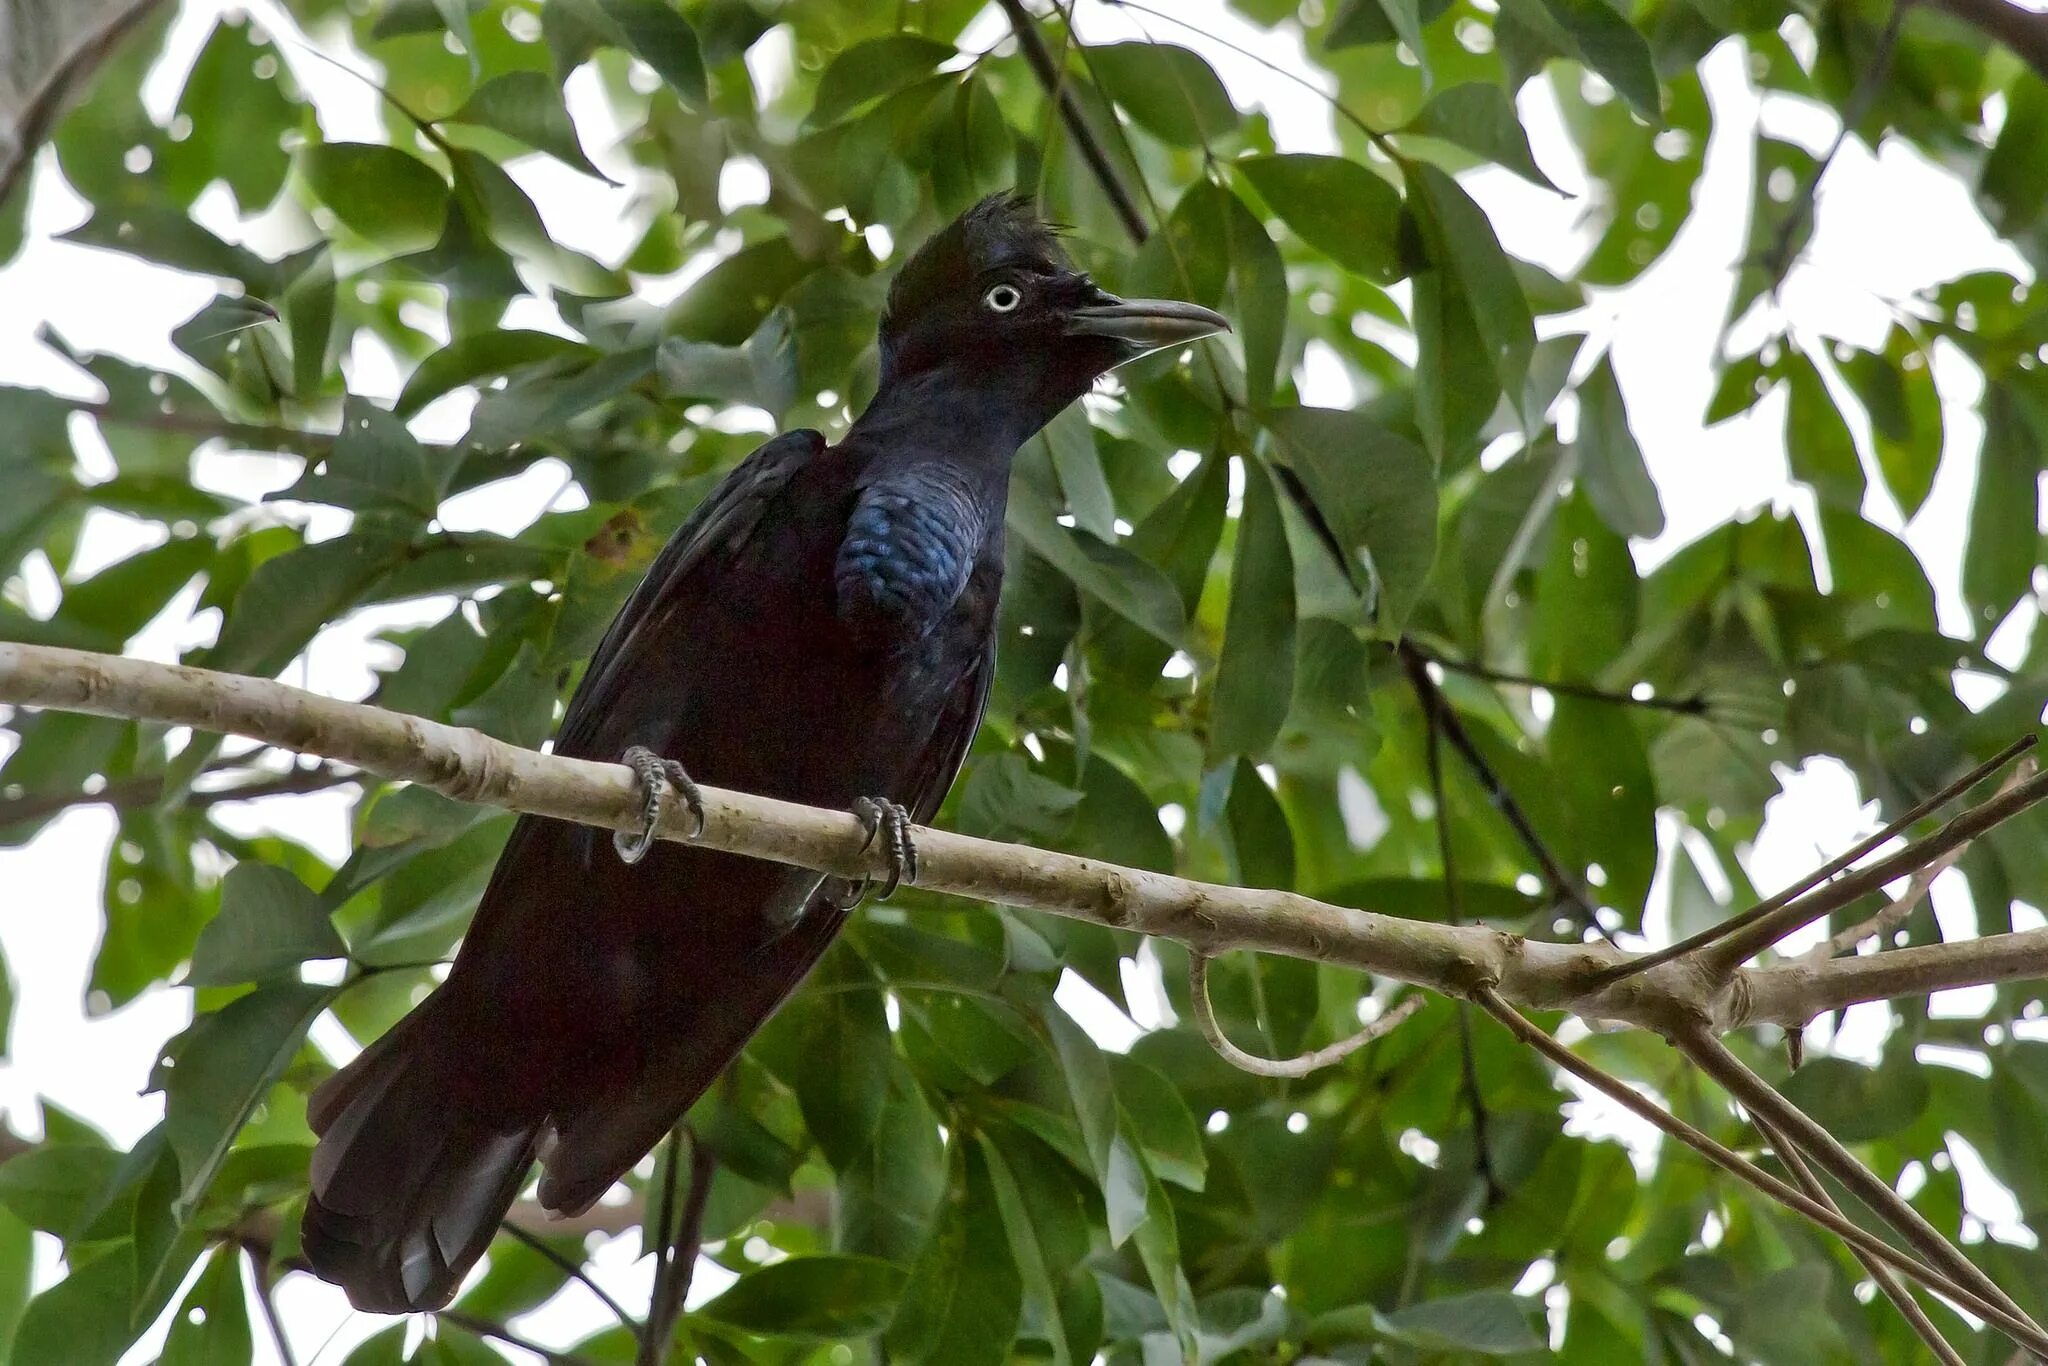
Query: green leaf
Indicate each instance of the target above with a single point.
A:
(469, 359)
(1488, 1321)
(2003, 545)
(1896, 387)
(1107, 572)
(17, 1269)
(1610, 461)
(1159, 1119)
(396, 201)
(1610, 45)
(1480, 118)
(1860, 1104)
(375, 464)
(964, 1296)
(1339, 207)
(289, 597)
(233, 101)
(831, 1045)
(1035, 1272)
(1255, 672)
(2013, 186)
(1004, 797)
(211, 1328)
(1817, 442)
(812, 1299)
(528, 106)
(1376, 490)
(1461, 242)
(872, 69)
(1168, 90)
(56, 1186)
(762, 372)
(651, 30)
(218, 1070)
(269, 923)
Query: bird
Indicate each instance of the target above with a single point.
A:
(821, 629)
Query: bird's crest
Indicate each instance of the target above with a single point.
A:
(1002, 230)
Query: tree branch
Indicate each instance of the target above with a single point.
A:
(2025, 31)
(1452, 959)
(1437, 710)
(2018, 1328)
(1085, 141)
(1887, 1280)
(1765, 1102)
(1771, 906)
(1683, 706)
(1299, 1066)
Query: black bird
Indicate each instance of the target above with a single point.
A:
(821, 630)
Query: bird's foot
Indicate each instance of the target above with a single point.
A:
(890, 823)
(658, 776)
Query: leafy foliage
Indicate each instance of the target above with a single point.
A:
(1201, 668)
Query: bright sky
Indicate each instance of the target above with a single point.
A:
(1661, 329)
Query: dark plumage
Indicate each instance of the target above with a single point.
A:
(821, 629)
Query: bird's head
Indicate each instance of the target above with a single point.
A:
(992, 298)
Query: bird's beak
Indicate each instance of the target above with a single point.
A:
(1145, 324)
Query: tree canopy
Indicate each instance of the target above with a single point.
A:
(1399, 652)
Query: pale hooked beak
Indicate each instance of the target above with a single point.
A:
(1146, 324)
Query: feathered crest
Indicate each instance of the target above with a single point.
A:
(1002, 230)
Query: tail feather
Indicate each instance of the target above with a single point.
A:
(408, 1185)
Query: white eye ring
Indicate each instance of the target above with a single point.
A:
(1002, 299)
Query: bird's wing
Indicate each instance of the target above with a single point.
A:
(597, 1144)
(724, 519)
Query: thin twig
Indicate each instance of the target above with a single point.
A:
(575, 1272)
(1684, 706)
(1731, 951)
(145, 791)
(1468, 1063)
(1085, 141)
(498, 1332)
(2017, 1327)
(1887, 1280)
(1766, 1103)
(679, 1243)
(1778, 260)
(1734, 925)
(1795, 993)
(1299, 1066)
(266, 1296)
(1438, 710)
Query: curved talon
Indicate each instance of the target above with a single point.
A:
(889, 822)
(657, 777)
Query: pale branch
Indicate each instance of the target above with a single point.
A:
(1767, 1104)
(1740, 1167)
(1889, 917)
(1771, 905)
(1298, 1066)
(1886, 1279)
(1729, 953)
(1452, 959)
(1793, 993)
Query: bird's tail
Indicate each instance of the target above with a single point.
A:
(408, 1183)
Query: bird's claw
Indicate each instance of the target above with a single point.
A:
(890, 823)
(658, 776)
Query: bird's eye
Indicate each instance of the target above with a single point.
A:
(1002, 299)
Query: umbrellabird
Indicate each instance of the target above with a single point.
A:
(821, 629)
